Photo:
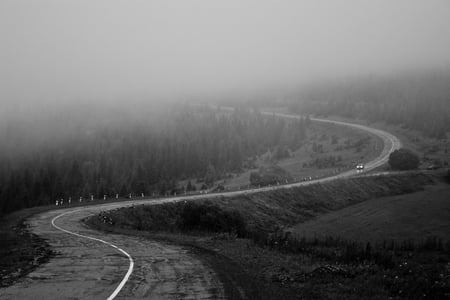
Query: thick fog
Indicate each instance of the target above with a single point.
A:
(148, 50)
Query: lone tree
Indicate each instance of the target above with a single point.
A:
(403, 159)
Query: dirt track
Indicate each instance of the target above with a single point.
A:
(89, 269)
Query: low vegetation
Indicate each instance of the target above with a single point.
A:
(270, 175)
(331, 268)
(176, 217)
(269, 211)
(21, 251)
(403, 159)
(309, 268)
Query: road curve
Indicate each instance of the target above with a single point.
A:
(92, 266)
(88, 265)
(130, 268)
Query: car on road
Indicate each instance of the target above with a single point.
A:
(433, 167)
(360, 167)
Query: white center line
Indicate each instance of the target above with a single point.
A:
(130, 268)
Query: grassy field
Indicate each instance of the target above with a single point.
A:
(430, 150)
(345, 146)
(337, 141)
(275, 210)
(286, 267)
(412, 216)
(269, 211)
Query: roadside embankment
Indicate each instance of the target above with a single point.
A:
(288, 267)
(21, 251)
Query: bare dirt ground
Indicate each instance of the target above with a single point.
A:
(84, 269)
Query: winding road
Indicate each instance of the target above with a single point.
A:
(92, 265)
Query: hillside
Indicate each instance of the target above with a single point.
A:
(286, 267)
(418, 215)
(418, 101)
(278, 209)
(54, 155)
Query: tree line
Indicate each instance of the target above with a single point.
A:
(415, 101)
(137, 156)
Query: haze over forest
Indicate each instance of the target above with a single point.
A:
(101, 97)
(225, 149)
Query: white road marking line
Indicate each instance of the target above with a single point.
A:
(130, 269)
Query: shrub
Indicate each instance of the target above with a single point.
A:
(269, 175)
(280, 153)
(207, 216)
(180, 216)
(403, 159)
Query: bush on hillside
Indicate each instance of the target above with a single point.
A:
(269, 175)
(280, 153)
(403, 159)
(207, 216)
(172, 217)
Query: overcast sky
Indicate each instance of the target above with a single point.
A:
(69, 50)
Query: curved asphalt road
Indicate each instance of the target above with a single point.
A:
(93, 266)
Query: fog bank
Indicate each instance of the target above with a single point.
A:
(157, 50)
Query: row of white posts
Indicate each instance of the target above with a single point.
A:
(308, 178)
(69, 201)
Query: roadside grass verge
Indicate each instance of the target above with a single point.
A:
(318, 268)
(418, 215)
(264, 211)
(293, 267)
(185, 216)
(21, 251)
(271, 211)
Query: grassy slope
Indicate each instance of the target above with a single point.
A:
(308, 274)
(20, 251)
(294, 164)
(271, 210)
(350, 156)
(428, 149)
(412, 216)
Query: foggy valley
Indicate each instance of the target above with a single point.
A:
(224, 150)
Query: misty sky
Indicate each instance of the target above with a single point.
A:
(69, 50)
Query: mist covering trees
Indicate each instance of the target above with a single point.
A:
(415, 101)
(105, 154)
